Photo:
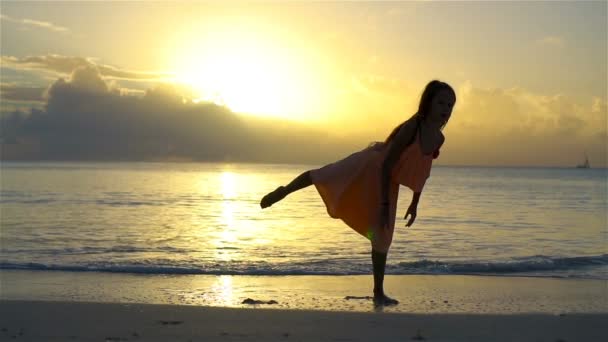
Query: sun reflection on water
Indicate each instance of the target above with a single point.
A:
(240, 225)
(227, 218)
(223, 289)
(228, 181)
(227, 237)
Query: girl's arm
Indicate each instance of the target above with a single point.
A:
(415, 198)
(412, 209)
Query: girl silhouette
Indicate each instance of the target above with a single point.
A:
(362, 189)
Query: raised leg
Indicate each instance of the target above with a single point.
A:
(300, 182)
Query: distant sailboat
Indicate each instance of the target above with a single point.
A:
(584, 165)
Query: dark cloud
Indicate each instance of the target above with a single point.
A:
(13, 92)
(85, 119)
(66, 64)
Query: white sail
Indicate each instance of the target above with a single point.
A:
(584, 165)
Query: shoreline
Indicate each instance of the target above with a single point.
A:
(418, 294)
(87, 321)
(93, 306)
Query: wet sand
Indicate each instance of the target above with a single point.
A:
(422, 294)
(92, 306)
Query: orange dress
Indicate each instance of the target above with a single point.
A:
(350, 188)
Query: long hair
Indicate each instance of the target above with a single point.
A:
(431, 89)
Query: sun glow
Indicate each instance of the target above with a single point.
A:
(248, 73)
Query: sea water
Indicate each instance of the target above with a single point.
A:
(205, 218)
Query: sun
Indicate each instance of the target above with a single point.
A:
(246, 73)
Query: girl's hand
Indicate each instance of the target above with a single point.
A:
(411, 211)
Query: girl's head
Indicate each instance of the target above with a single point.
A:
(436, 104)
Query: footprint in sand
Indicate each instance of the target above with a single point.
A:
(115, 339)
(418, 336)
(170, 322)
(359, 297)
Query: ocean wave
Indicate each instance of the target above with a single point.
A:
(98, 250)
(516, 265)
(534, 266)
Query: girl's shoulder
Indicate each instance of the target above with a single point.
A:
(431, 141)
(410, 125)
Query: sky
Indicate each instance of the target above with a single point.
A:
(301, 82)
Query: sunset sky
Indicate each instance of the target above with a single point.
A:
(530, 77)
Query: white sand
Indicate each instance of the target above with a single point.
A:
(72, 321)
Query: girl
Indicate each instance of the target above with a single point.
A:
(362, 189)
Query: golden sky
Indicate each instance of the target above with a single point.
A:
(530, 77)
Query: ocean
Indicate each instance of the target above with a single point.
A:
(204, 218)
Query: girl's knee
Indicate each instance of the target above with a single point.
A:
(380, 246)
(308, 177)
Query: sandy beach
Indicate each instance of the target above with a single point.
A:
(65, 321)
(93, 306)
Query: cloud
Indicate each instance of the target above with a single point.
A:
(36, 23)
(13, 92)
(85, 118)
(598, 105)
(66, 64)
(381, 84)
(515, 126)
(552, 41)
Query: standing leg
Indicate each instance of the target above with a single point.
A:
(379, 265)
(279, 193)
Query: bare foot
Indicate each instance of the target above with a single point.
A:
(273, 197)
(384, 300)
